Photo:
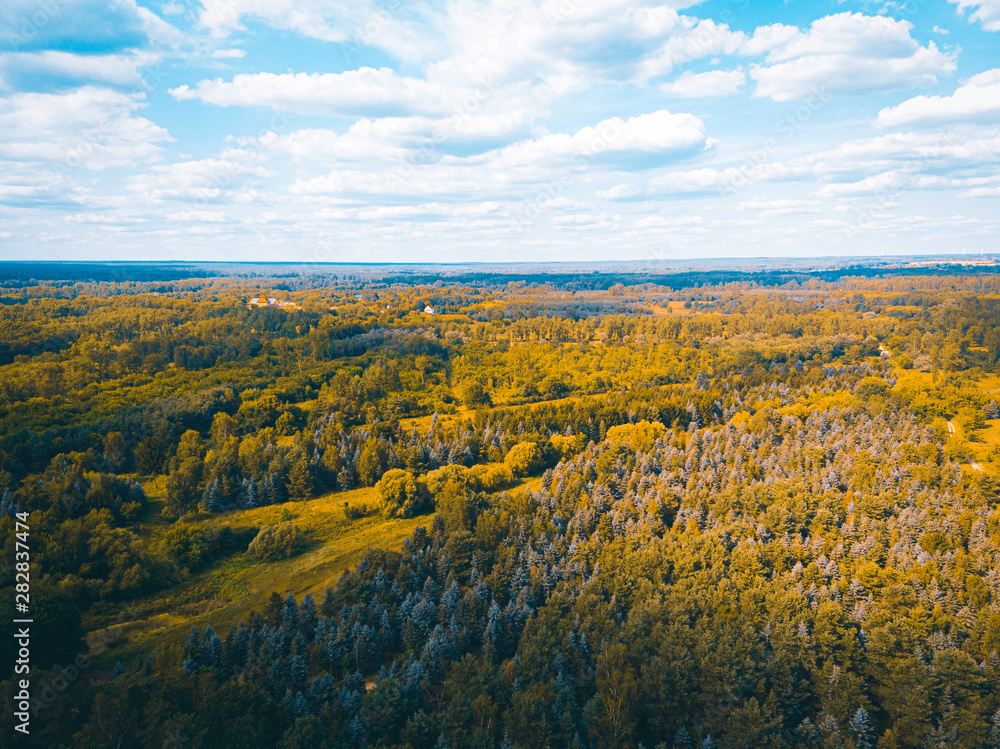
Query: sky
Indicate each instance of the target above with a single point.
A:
(468, 130)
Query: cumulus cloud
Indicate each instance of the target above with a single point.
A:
(366, 91)
(977, 99)
(85, 27)
(702, 85)
(307, 18)
(55, 66)
(987, 12)
(89, 127)
(203, 180)
(395, 139)
(213, 217)
(636, 143)
(842, 54)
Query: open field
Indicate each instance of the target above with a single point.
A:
(230, 589)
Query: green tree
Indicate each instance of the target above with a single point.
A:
(398, 494)
(184, 488)
(116, 451)
(149, 455)
(612, 711)
(475, 395)
(523, 458)
(301, 484)
(371, 463)
(275, 542)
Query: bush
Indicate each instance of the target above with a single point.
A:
(194, 546)
(475, 395)
(639, 437)
(397, 494)
(435, 480)
(276, 542)
(567, 447)
(523, 458)
(870, 386)
(492, 477)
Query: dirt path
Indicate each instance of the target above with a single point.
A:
(951, 428)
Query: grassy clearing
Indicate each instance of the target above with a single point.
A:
(227, 591)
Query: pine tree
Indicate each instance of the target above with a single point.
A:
(861, 730)
(213, 500)
(300, 480)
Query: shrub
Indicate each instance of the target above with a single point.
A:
(870, 386)
(397, 494)
(476, 395)
(435, 480)
(492, 477)
(522, 458)
(276, 542)
(194, 546)
(639, 437)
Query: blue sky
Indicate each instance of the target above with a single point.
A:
(335, 131)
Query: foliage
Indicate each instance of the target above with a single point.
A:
(276, 542)
(398, 494)
(714, 517)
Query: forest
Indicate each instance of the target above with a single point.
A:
(616, 512)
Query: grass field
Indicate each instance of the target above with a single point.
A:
(227, 591)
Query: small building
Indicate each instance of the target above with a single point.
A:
(261, 301)
(428, 310)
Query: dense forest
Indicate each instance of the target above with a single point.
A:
(513, 514)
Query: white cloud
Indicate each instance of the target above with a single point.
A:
(702, 85)
(397, 139)
(692, 39)
(846, 53)
(198, 216)
(308, 18)
(119, 70)
(977, 99)
(364, 91)
(635, 144)
(204, 180)
(780, 207)
(90, 127)
(24, 185)
(981, 192)
(547, 163)
(986, 12)
(226, 54)
(889, 183)
(864, 166)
